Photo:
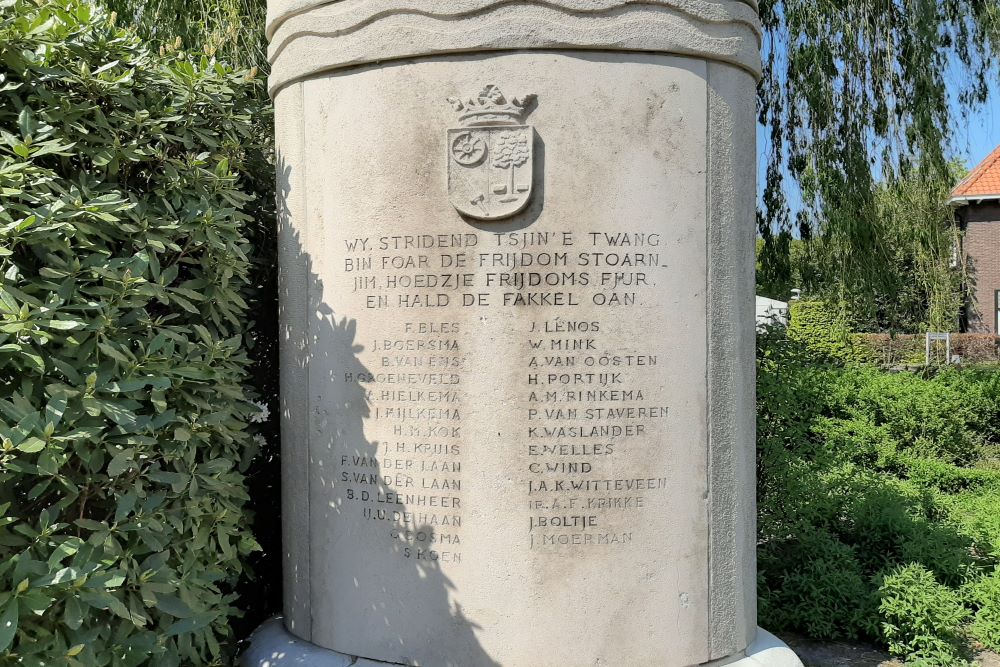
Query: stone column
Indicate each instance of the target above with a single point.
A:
(517, 255)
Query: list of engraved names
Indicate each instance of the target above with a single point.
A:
(588, 408)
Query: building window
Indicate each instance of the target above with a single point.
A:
(996, 316)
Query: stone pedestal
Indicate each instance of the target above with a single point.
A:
(273, 646)
(516, 255)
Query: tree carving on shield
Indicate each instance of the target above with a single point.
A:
(511, 152)
(490, 158)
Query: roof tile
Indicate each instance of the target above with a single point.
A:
(983, 181)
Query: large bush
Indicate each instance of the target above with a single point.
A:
(879, 502)
(123, 273)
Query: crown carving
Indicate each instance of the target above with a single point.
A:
(491, 107)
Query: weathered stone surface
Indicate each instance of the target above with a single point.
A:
(312, 36)
(518, 400)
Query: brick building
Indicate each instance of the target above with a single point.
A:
(977, 211)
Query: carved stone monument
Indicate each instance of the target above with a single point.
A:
(516, 247)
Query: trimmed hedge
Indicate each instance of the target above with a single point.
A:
(902, 349)
(123, 409)
(820, 328)
(824, 334)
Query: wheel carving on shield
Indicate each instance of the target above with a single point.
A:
(468, 149)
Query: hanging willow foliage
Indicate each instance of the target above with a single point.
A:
(232, 30)
(924, 288)
(856, 93)
(921, 283)
(854, 97)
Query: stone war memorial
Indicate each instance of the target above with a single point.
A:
(516, 264)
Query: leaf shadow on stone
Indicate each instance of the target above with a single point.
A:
(393, 545)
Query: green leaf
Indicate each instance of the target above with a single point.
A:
(176, 480)
(115, 353)
(105, 67)
(73, 614)
(120, 463)
(8, 625)
(185, 304)
(90, 524)
(173, 605)
(26, 122)
(55, 410)
(130, 384)
(31, 445)
(186, 625)
(117, 411)
(107, 580)
(62, 325)
(53, 147)
(215, 466)
(60, 576)
(126, 504)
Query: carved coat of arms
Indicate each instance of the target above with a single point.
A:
(490, 157)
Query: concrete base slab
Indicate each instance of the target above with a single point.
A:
(766, 651)
(273, 646)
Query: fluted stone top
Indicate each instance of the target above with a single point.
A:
(308, 37)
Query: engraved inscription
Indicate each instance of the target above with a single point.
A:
(589, 411)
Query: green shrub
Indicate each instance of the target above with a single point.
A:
(863, 472)
(979, 387)
(823, 590)
(977, 512)
(947, 477)
(930, 418)
(984, 596)
(892, 522)
(123, 415)
(922, 617)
